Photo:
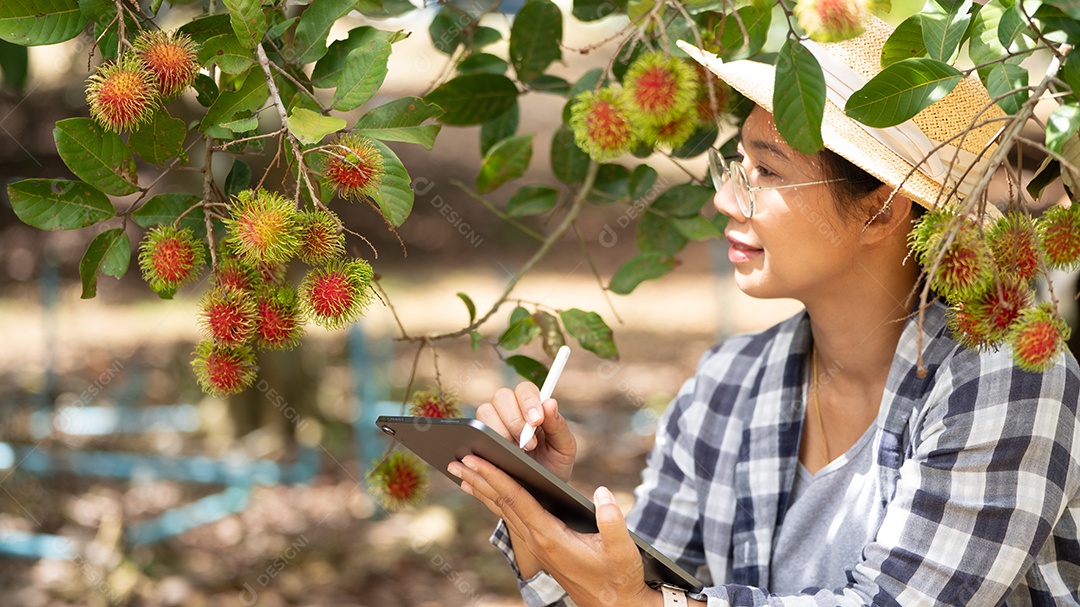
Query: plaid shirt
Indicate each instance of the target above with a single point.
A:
(979, 462)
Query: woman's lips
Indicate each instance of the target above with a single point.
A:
(740, 252)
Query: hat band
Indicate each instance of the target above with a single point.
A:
(933, 159)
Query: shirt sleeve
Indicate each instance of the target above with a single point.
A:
(990, 473)
(541, 590)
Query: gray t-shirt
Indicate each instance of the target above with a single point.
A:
(833, 514)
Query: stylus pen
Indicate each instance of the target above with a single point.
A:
(546, 390)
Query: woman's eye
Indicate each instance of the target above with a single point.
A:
(761, 172)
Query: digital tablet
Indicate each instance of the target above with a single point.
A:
(441, 441)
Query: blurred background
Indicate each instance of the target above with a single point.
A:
(123, 484)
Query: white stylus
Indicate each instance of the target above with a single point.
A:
(546, 390)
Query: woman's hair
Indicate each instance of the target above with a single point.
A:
(853, 186)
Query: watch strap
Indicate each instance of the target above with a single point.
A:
(673, 597)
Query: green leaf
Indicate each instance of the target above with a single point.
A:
(1010, 26)
(204, 28)
(645, 266)
(206, 90)
(385, 9)
(394, 196)
(591, 332)
(248, 21)
(473, 98)
(568, 162)
(1047, 173)
(696, 228)
(241, 125)
(535, 38)
(161, 140)
(656, 233)
(59, 204)
(521, 330)
(906, 42)
(96, 156)
(14, 62)
(109, 253)
(547, 83)
(165, 208)
(799, 97)
(402, 120)
(101, 11)
(315, 24)
(506, 161)
(251, 95)
(227, 52)
(328, 69)
(238, 179)
(756, 19)
(550, 332)
(902, 90)
(1010, 80)
(943, 25)
(36, 22)
(469, 305)
(642, 180)
(448, 29)
(529, 368)
(1062, 124)
(310, 127)
(483, 36)
(365, 70)
(594, 10)
(495, 130)
(985, 45)
(1070, 150)
(476, 339)
(699, 142)
(1069, 7)
(1070, 72)
(532, 200)
(612, 184)
(683, 200)
(482, 63)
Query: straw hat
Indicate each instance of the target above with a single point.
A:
(890, 153)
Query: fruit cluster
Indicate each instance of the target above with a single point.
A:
(661, 103)
(988, 279)
(250, 303)
(124, 94)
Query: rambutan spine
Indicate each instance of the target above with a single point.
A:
(172, 58)
(1037, 337)
(170, 257)
(262, 227)
(321, 238)
(1012, 240)
(658, 88)
(227, 316)
(279, 322)
(122, 94)
(353, 166)
(601, 124)
(1059, 236)
(337, 294)
(223, 370)
(434, 403)
(400, 480)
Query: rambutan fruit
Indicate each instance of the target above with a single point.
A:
(122, 94)
(231, 273)
(721, 92)
(336, 295)
(434, 403)
(399, 481)
(278, 322)
(1037, 337)
(927, 229)
(601, 124)
(263, 227)
(1059, 234)
(353, 166)
(963, 260)
(224, 370)
(321, 240)
(670, 134)
(172, 58)
(1012, 241)
(965, 328)
(170, 257)
(227, 316)
(831, 20)
(1000, 306)
(658, 88)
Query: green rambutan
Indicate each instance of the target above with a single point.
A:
(399, 481)
(224, 370)
(434, 403)
(670, 134)
(263, 227)
(1037, 337)
(336, 295)
(122, 94)
(601, 124)
(172, 58)
(1012, 241)
(831, 20)
(1059, 234)
(321, 239)
(965, 328)
(169, 257)
(353, 166)
(278, 323)
(964, 266)
(1000, 306)
(658, 88)
(227, 316)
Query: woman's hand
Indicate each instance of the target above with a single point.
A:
(553, 447)
(596, 569)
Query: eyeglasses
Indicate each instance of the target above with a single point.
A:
(744, 192)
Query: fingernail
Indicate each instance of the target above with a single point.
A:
(603, 496)
(533, 416)
(454, 468)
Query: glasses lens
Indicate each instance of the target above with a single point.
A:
(743, 195)
(716, 170)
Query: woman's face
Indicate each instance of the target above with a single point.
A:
(795, 244)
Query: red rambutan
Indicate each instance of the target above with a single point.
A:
(658, 88)
(1000, 306)
(1012, 241)
(434, 403)
(963, 260)
(278, 323)
(1059, 233)
(337, 294)
(223, 370)
(399, 481)
(227, 316)
(169, 257)
(122, 94)
(601, 124)
(353, 166)
(965, 328)
(321, 240)
(263, 227)
(172, 59)
(1037, 337)
(231, 273)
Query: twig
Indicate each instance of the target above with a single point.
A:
(498, 213)
(393, 311)
(596, 273)
(208, 185)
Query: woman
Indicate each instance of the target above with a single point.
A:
(812, 463)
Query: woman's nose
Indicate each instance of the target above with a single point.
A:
(725, 203)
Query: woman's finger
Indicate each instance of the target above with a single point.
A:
(490, 416)
(509, 409)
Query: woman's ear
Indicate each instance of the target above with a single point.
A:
(889, 216)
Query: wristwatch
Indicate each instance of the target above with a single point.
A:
(673, 596)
